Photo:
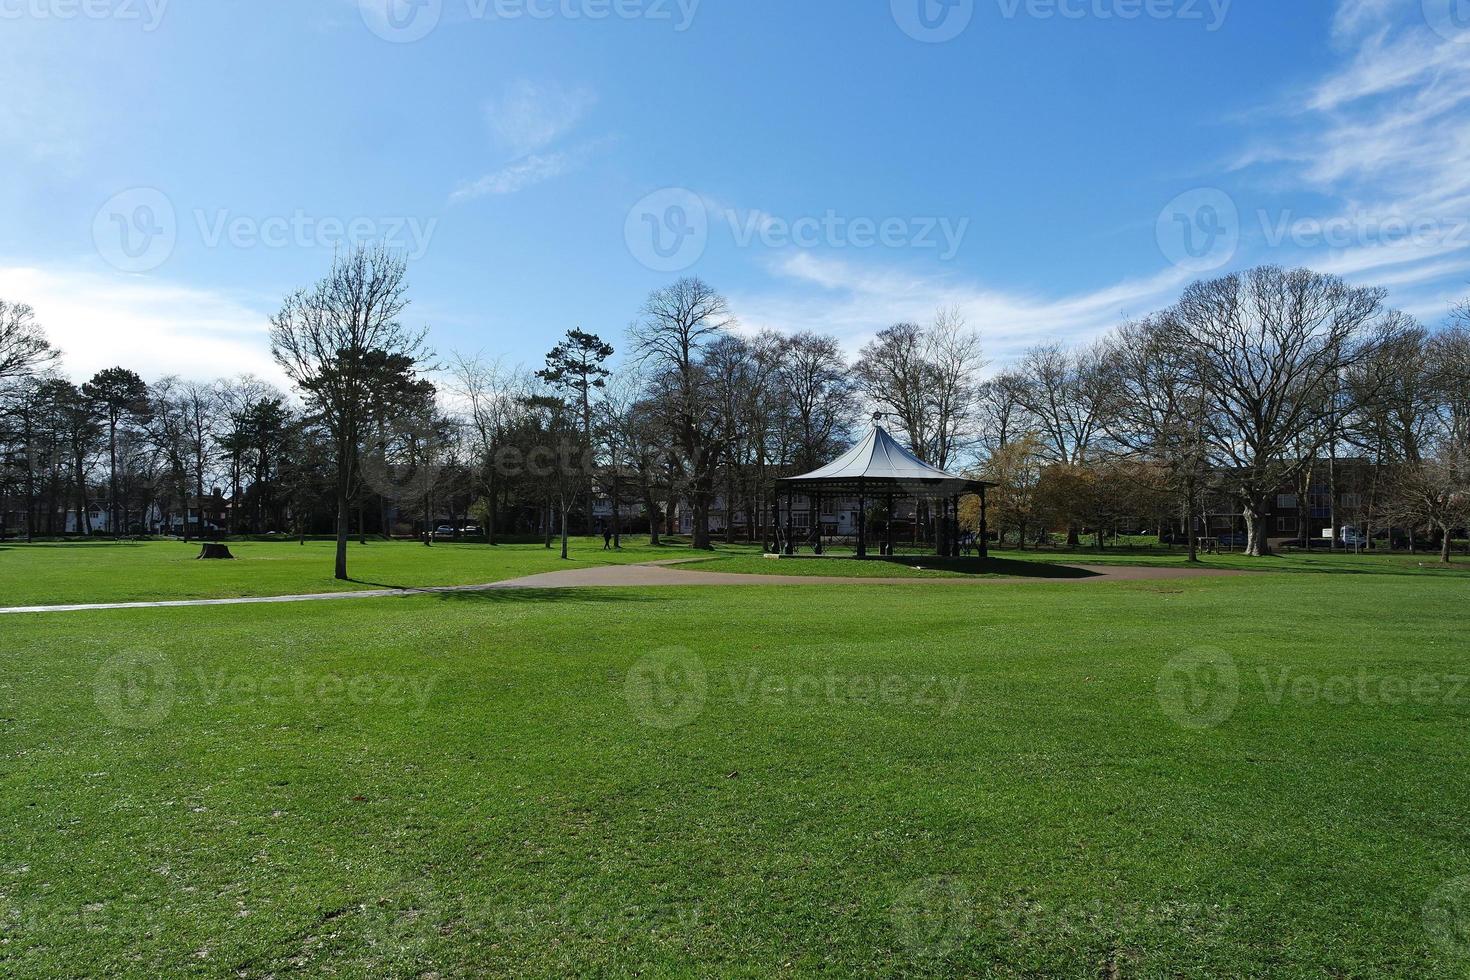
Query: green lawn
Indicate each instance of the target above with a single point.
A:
(1289, 561)
(1015, 781)
(107, 571)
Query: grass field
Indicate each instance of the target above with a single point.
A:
(107, 571)
(1252, 776)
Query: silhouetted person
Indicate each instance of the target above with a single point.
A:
(606, 539)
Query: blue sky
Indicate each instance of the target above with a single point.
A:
(173, 167)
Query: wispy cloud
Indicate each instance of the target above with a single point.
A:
(854, 301)
(524, 173)
(1385, 135)
(154, 327)
(527, 172)
(1354, 16)
(527, 119)
(529, 116)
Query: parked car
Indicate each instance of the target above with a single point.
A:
(470, 530)
(1233, 539)
(444, 531)
(1353, 538)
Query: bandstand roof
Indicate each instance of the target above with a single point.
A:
(879, 465)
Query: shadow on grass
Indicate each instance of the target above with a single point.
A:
(507, 594)
(79, 544)
(846, 565)
(1008, 567)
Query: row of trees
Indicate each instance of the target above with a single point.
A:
(1250, 383)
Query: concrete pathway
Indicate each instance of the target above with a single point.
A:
(656, 574)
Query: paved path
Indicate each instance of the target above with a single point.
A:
(654, 574)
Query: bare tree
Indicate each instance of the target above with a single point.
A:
(672, 337)
(815, 383)
(485, 390)
(1160, 416)
(23, 345)
(1000, 412)
(1435, 494)
(1268, 346)
(1069, 396)
(323, 338)
(895, 376)
(1448, 356)
(928, 379)
(956, 357)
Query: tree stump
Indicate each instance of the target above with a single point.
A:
(216, 551)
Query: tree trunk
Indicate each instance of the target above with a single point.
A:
(1444, 547)
(30, 489)
(112, 475)
(490, 508)
(617, 504)
(655, 518)
(730, 509)
(565, 513)
(1191, 537)
(1257, 544)
(699, 506)
(340, 570)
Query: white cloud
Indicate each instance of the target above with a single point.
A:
(517, 176)
(1384, 135)
(527, 119)
(855, 301)
(153, 327)
(529, 116)
(1354, 16)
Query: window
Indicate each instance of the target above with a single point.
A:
(1286, 501)
(829, 507)
(1286, 524)
(1352, 501)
